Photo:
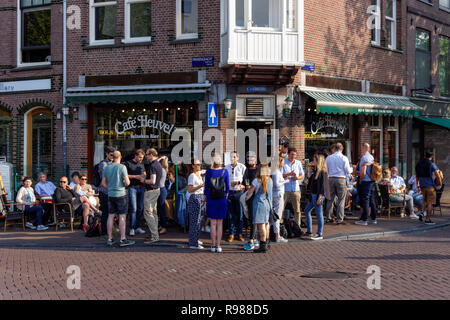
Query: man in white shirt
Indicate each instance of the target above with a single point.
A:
(293, 170)
(400, 186)
(236, 172)
(338, 168)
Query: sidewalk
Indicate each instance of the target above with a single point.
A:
(16, 237)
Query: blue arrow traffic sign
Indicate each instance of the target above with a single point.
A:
(212, 115)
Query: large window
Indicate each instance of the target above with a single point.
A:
(423, 59)
(391, 29)
(444, 4)
(291, 19)
(35, 31)
(444, 66)
(137, 20)
(103, 21)
(187, 19)
(266, 13)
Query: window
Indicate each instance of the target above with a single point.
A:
(187, 19)
(35, 31)
(103, 21)
(423, 59)
(291, 21)
(240, 13)
(376, 27)
(444, 66)
(137, 20)
(391, 30)
(444, 4)
(266, 14)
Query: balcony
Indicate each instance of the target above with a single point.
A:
(261, 33)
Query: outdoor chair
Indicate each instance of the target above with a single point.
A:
(386, 204)
(437, 205)
(63, 213)
(15, 215)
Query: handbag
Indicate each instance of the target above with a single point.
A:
(273, 215)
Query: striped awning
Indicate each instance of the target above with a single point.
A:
(339, 103)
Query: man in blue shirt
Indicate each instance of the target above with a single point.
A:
(366, 187)
(45, 189)
(426, 173)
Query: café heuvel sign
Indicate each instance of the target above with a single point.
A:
(327, 127)
(141, 122)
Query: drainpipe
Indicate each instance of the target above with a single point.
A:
(64, 118)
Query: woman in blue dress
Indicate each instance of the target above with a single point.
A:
(216, 209)
(262, 186)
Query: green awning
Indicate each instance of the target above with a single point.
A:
(338, 103)
(132, 98)
(443, 122)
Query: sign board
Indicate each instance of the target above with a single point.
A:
(203, 61)
(26, 85)
(212, 115)
(309, 66)
(256, 89)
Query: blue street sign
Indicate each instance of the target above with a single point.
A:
(256, 89)
(203, 61)
(212, 115)
(309, 66)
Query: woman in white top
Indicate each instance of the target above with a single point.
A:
(26, 197)
(278, 198)
(195, 188)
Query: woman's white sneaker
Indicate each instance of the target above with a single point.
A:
(41, 227)
(317, 237)
(219, 250)
(213, 249)
(196, 248)
(281, 240)
(30, 225)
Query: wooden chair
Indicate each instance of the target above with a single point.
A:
(386, 204)
(63, 212)
(437, 205)
(15, 215)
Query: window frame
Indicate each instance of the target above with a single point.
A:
(377, 14)
(442, 7)
(127, 24)
(249, 11)
(92, 22)
(448, 64)
(20, 33)
(180, 34)
(293, 14)
(393, 21)
(425, 51)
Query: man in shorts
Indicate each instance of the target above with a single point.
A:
(115, 179)
(426, 175)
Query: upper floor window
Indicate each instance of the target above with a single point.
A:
(376, 28)
(137, 20)
(444, 4)
(423, 59)
(102, 21)
(34, 31)
(444, 66)
(391, 29)
(266, 13)
(187, 19)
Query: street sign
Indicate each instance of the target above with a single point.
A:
(212, 115)
(309, 66)
(203, 61)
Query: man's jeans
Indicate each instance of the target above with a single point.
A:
(366, 191)
(136, 198)
(235, 215)
(151, 211)
(338, 188)
(417, 198)
(104, 208)
(162, 207)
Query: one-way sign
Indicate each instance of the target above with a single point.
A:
(212, 115)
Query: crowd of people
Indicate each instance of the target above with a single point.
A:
(247, 196)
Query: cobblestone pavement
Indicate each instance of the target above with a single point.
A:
(413, 266)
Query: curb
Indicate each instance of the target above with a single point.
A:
(184, 244)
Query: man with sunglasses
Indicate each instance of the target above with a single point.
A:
(102, 192)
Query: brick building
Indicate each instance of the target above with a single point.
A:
(428, 64)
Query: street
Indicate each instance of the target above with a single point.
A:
(412, 266)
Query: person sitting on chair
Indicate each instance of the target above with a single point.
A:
(64, 194)
(26, 197)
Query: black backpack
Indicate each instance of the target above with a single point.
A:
(217, 188)
(96, 178)
(95, 227)
(283, 233)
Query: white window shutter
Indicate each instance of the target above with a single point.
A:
(240, 107)
(269, 107)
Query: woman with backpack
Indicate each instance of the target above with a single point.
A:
(262, 204)
(194, 205)
(217, 187)
(317, 184)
